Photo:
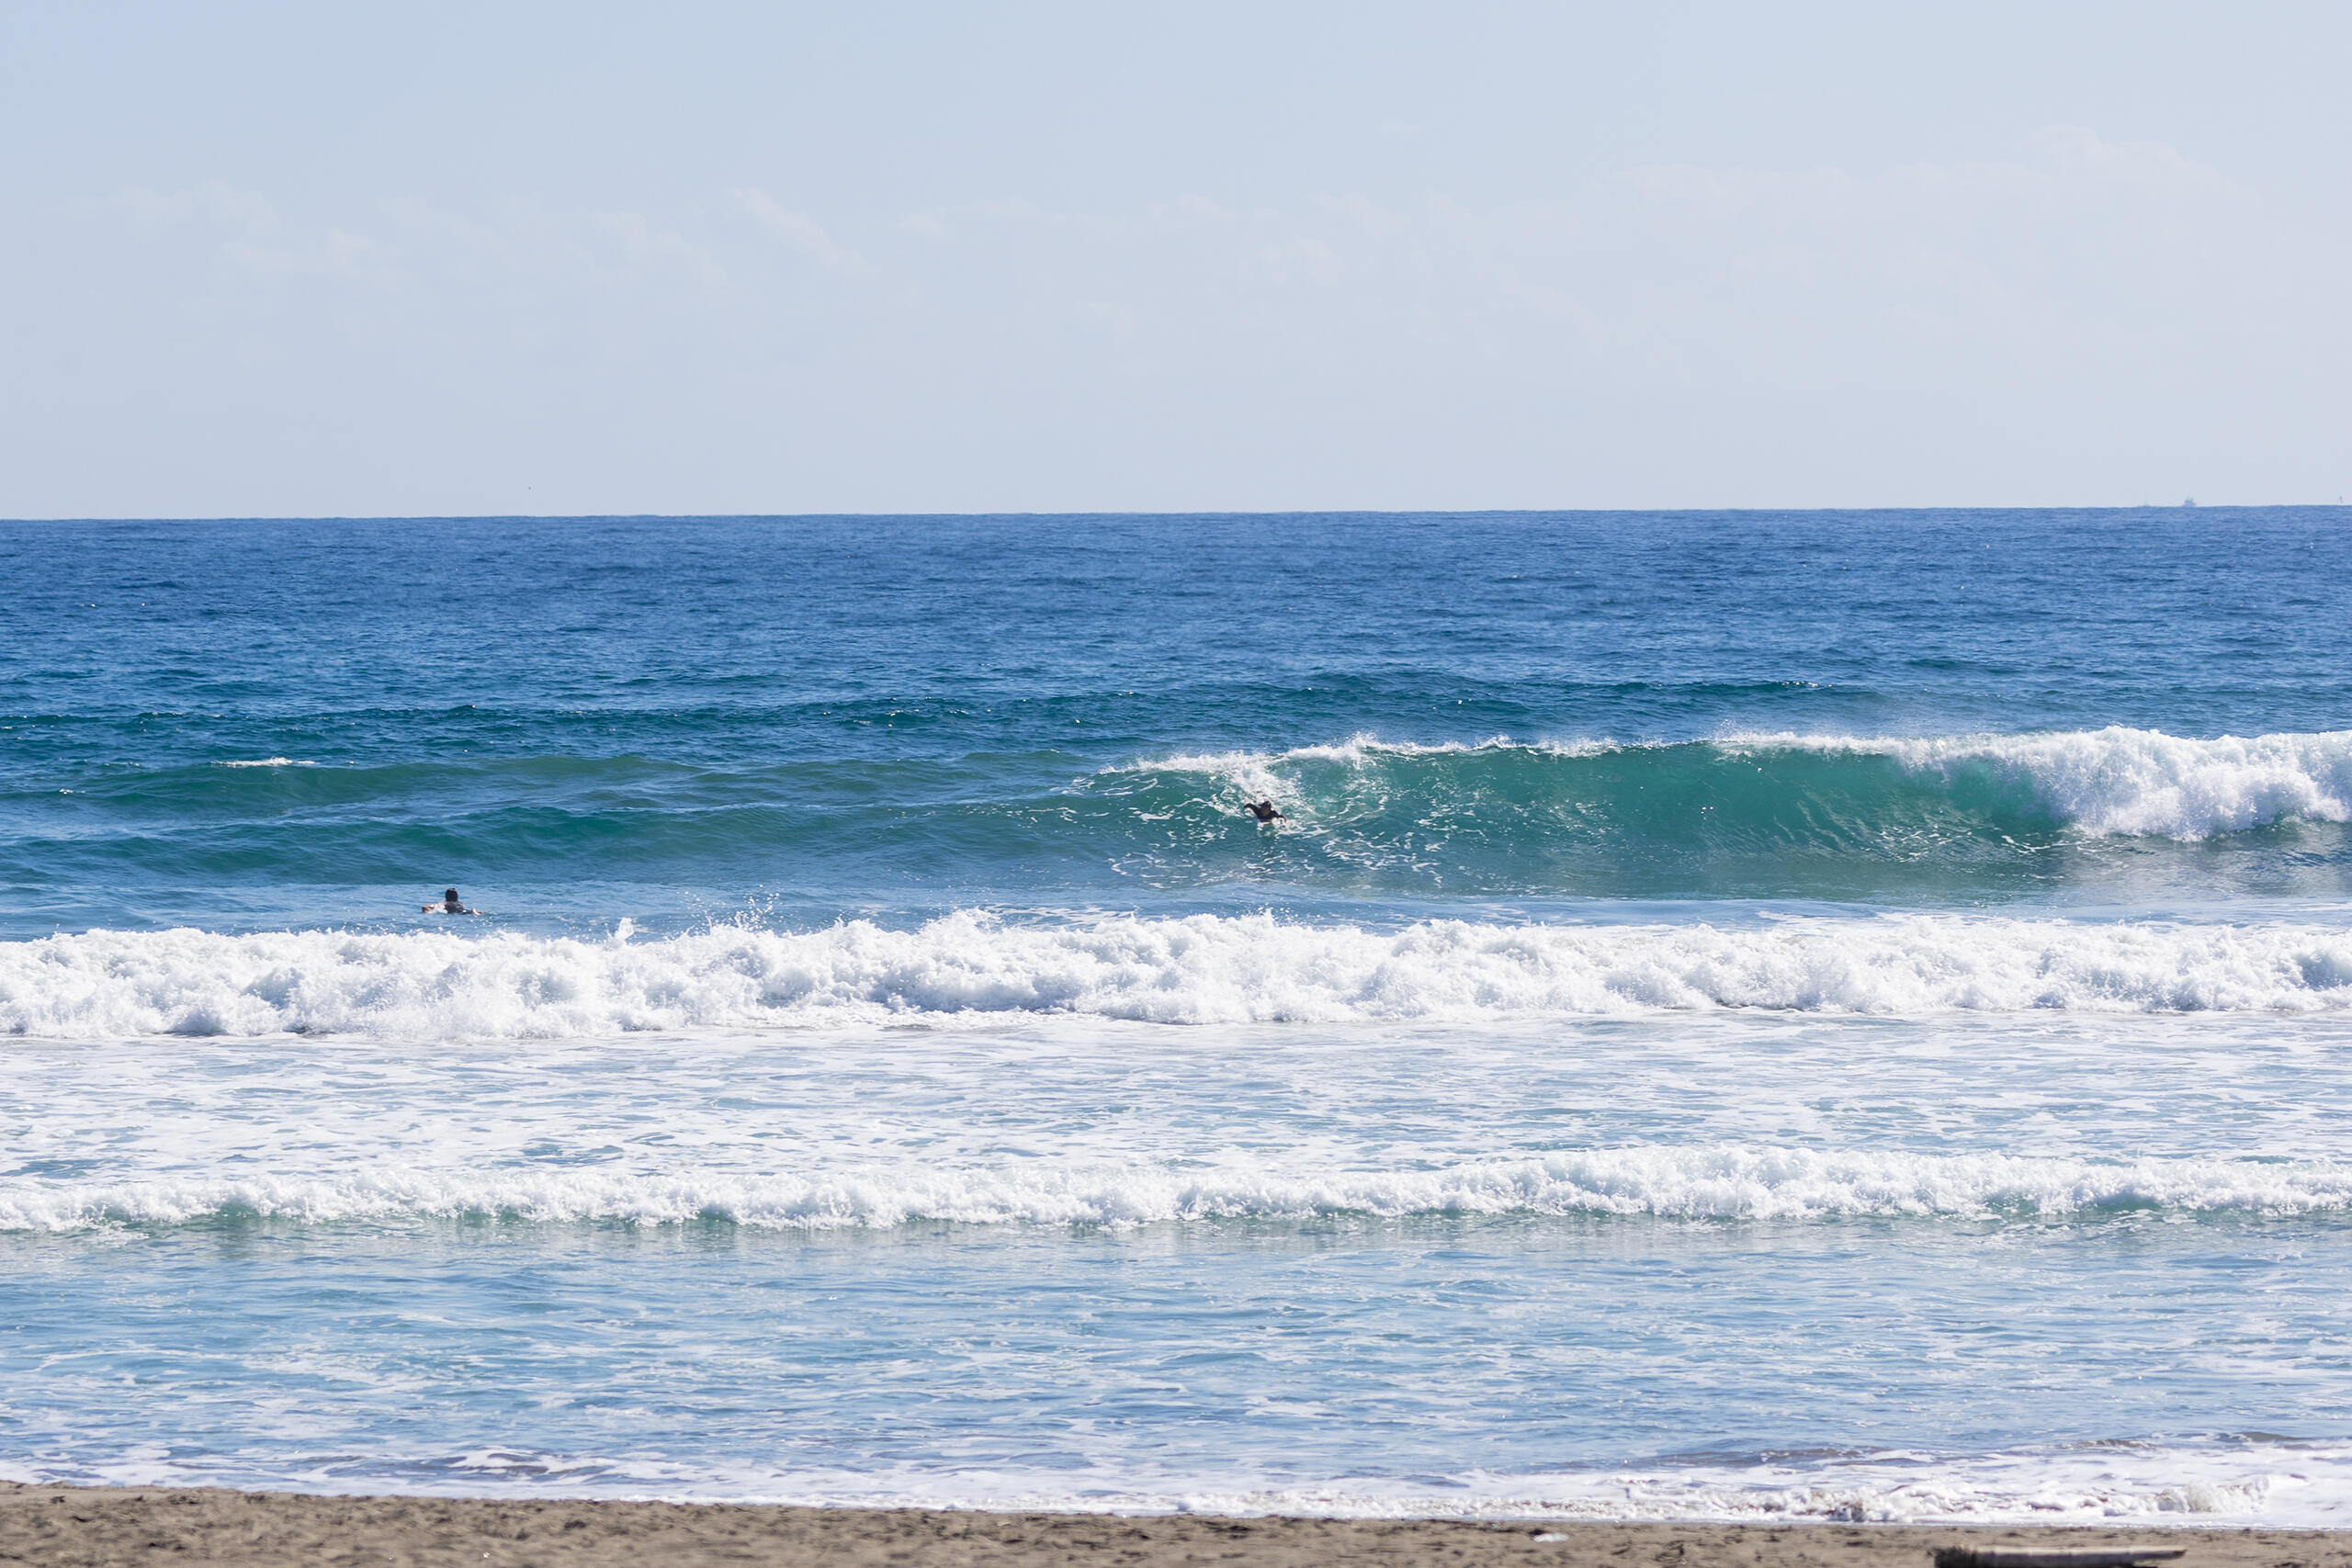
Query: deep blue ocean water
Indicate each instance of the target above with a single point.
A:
(1822, 1013)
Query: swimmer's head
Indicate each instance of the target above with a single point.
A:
(451, 897)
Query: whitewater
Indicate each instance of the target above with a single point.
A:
(1199, 970)
(1782, 1016)
(1720, 1183)
(2116, 782)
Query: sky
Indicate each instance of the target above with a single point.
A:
(266, 259)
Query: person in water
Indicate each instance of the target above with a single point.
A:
(1265, 811)
(450, 905)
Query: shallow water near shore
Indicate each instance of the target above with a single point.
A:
(1491, 1365)
(1779, 1016)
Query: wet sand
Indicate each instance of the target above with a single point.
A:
(104, 1526)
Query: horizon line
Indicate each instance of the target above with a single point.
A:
(2190, 505)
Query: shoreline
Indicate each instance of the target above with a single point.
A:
(103, 1527)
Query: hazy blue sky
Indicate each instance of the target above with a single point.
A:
(441, 258)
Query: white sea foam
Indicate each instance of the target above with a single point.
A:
(1883, 1499)
(267, 762)
(1255, 772)
(2114, 782)
(1723, 1182)
(2177, 1488)
(2229, 1486)
(2144, 783)
(1200, 970)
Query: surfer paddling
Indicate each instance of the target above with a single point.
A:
(1265, 811)
(450, 905)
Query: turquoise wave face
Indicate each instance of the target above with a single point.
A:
(1765, 1015)
(2113, 814)
(230, 725)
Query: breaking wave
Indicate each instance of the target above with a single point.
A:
(2108, 783)
(1202, 969)
(1726, 1182)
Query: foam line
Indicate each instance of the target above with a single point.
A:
(1724, 1182)
(1199, 970)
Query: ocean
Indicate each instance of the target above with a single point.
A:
(1746, 1015)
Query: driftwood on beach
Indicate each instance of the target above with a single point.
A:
(2034, 1556)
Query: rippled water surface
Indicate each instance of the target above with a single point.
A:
(1833, 1015)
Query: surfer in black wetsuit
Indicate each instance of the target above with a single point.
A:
(1264, 811)
(450, 905)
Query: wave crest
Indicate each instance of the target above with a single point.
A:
(2141, 783)
(1203, 969)
(2112, 782)
(1729, 1182)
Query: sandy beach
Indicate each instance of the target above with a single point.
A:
(103, 1527)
